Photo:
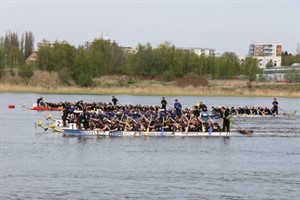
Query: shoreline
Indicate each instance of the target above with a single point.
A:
(153, 90)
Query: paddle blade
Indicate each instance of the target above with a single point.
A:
(186, 129)
(248, 132)
(210, 130)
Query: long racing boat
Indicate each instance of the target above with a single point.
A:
(95, 132)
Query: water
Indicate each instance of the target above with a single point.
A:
(43, 165)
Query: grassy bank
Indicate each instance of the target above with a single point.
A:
(48, 83)
(220, 89)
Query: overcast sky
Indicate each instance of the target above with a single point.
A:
(225, 25)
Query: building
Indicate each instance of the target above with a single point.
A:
(31, 58)
(202, 51)
(89, 43)
(129, 50)
(278, 74)
(266, 53)
(46, 43)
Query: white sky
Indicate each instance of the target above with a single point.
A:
(225, 25)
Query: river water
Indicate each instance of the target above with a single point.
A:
(35, 164)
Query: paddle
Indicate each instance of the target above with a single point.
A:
(147, 131)
(24, 105)
(40, 123)
(261, 112)
(125, 129)
(202, 126)
(162, 127)
(49, 116)
(187, 126)
(246, 131)
(288, 114)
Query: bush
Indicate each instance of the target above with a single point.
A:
(168, 76)
(26, 73)
(64, 76)
(191, 80)
(85, 80)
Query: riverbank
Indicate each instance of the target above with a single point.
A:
(109, 85)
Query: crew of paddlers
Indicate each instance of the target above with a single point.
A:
(117, 117)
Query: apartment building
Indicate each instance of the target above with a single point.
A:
(265, 53)
(202, 51)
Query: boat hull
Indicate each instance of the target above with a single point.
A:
(39, 108)
(76, 132)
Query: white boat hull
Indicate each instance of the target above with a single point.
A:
(72, 132)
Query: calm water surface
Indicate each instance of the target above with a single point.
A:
(35, 164)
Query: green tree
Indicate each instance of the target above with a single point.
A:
(44, 59)
(270, 64)
(85, 80)
(146, 62)
(13, 54)
(287, 59)
(251, 69)
(231, 64)
(80, 63)
(64, 75)
(26, 73)
(27, 44)
(61, 55)
(2, 56)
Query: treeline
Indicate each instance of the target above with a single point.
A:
(105, 57)
(288, 59)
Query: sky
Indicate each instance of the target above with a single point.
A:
(224, 25)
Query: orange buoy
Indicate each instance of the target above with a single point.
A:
(11, 106)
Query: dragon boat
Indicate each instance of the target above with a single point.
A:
(41, 108)
(72, 130)
(95, 132)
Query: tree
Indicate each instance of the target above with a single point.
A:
(231, 65)
(26, 73)
(14, 56)
(270, 64)
(27, 44)
(61, 55)
(2, 56)
(251, 69)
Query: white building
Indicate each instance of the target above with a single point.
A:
(266, 52)
(202, 51)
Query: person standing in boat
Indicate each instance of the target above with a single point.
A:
(40, 101)
(225, 114)
(114, 100)
(178, 108)
(164, 103)
(275, 107)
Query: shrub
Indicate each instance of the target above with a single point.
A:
(85, 80)
(26, 73)
(191, 80)
(168, 76)
(64, 76)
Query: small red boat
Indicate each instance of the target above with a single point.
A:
(41, 108)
